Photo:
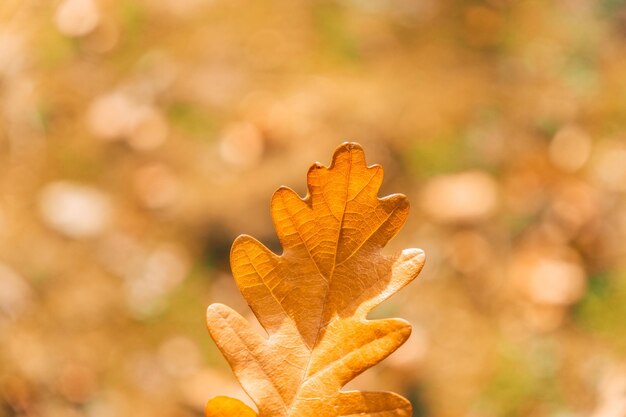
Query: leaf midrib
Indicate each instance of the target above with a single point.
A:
(330, 277)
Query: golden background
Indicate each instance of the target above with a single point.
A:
(138, 138)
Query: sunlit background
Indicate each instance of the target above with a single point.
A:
(138, 138)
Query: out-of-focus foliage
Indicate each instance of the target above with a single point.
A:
(138, 138)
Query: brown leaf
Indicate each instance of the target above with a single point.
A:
(314, 298)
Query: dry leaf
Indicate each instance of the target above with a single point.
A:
(313, 299)
(228, 407)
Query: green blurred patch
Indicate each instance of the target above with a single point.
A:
(547, 127)
(603, 309)
(610, 8)
(186, 312)
(191, 120)
(415, 394)
(524, 379)
(445, 154)
(78, 163)
(518, 224)
(337, 41)
(133, 19)
(580, 73)
(41, 117)
(55, 50)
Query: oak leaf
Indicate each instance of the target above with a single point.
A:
(314, 298)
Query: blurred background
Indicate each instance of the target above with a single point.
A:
(138, 138)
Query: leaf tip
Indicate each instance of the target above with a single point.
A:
(413, 259)
(213, 310)
(227, 407)
(413, 255)
(347, 147)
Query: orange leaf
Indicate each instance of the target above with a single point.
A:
(314, 298)
(228, 407)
